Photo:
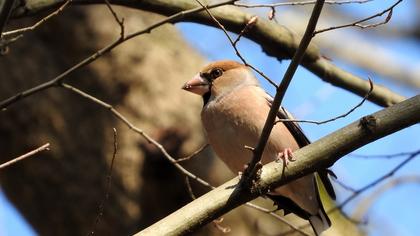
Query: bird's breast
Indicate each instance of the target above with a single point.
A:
(231, 125)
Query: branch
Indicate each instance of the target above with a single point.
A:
(378, 180)
(359, 22)
(61, 77)
(5, 10)
(298, 3)
(320, 154)
(275, 40)
(366, 203)
(381, 156)
(137, 130)
(194, 154)
(26, 155)
(334, 118)
(40, 22)
(281, 90)
(108, 186)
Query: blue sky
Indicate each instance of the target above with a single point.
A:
(310, 98)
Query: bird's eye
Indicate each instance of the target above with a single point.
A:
(216, 73)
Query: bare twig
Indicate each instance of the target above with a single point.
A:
(378, 180)
(108, 186)
(60, 78)
(366, 203)
(334, 118)
(344, 186)
(298, 3)
(4, 43)
(358, 23)
(137, 130)
(251, 171)
(117, 19)
(5, 10)
(251, 22)
(40, 22)
(189, 188)
(195, 153)
(383, 156)
(44, 147)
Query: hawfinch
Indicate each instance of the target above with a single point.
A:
(234, 112)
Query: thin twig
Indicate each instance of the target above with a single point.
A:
(344, 186)
(44, 147)
(60, 78)
(5, 10)
(334, 118)
(358, 23)
(117, 19)
(195, 153)
(366, 203)
(251, 171)
(40, 22)
(377, 181)
(383, 156)
(137, 130)
(4, 49)
(298, 3)
(252, 21)
(108, 186)
(189, 188)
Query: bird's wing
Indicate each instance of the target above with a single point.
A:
(302, 140)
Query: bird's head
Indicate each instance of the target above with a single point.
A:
(219, 78)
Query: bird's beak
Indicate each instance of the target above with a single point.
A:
(197, 85)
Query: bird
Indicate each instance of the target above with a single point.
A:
(233, 115)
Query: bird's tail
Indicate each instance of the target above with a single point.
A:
(320, 222)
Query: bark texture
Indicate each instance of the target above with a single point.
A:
(59, 191)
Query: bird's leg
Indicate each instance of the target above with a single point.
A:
(286, 156)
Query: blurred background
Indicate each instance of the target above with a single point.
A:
(58, 192)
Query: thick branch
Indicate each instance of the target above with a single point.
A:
(320, 154)
(276, 40)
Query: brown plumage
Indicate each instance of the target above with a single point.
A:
(234, 112)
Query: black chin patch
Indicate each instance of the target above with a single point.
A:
(206, 97)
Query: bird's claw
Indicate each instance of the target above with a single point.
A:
(286, 156)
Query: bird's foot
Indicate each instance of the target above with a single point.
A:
(286, 156)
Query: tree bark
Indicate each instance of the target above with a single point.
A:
(59, 191)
